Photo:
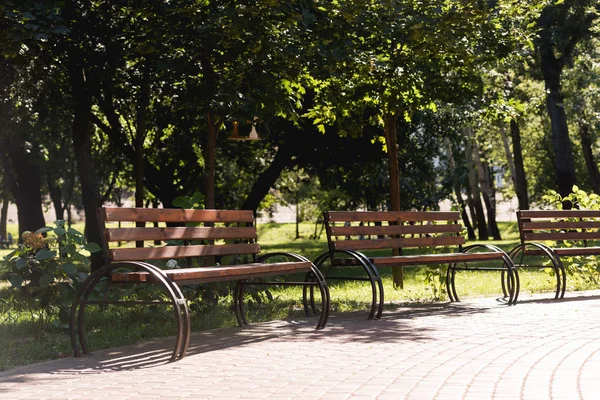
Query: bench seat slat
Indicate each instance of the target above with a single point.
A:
(422, 259)
(435, 258)
(179, 233)
(174, 215)
(560, 236)
(390, 230)
(213, 274)
(539, 225)
(399, 216)
(167, 252)
(566, 251)
(527, 214)
(397, 243)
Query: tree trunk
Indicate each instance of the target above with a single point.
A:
(209, 163)
(588, 154)
(25, 183)
(4, 217)
(458, 195)
(82, 145)
(487, 191)
(56, 197)
(5, 203)
(491, 197)
(474, 188)
(520, 177)
(471, 206)
(297, 215)
(392, 150)
(563, 150)
(138, 144)
(268, 177)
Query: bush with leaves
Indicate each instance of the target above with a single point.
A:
(586, 267)
(48, 266)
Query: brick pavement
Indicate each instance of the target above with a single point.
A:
(476, 349)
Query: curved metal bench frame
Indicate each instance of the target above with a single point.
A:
(76, 326)
(312, 279)
(373, 277)
(557, 265)
(509, 275)
(178, 301)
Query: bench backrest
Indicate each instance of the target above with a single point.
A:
(558, 225)
(200, 233)
(371, 230)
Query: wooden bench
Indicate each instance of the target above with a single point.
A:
(201, 235)
(350, 233)
(572, 231)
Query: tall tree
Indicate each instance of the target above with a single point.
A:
(562, 26)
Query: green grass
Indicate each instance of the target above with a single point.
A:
(29, 338)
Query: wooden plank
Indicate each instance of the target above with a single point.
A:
(425, 259)
(395, 216)
(566, 251)
(390, 230)
(398, 243)
(179, 233)
(216, 274)
(528, 214)
(536, 237)
(532, 226)
(174, 215)
(167, 252)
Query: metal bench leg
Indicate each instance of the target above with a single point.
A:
(557, 265)
(76, 323)
(238, 303)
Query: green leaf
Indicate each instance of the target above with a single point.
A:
(42, 255)
(182, 202)
(21, 263)
(92, 247)
(82, 276)
(60, 231)
(16, 281)
(45, 229)
(10, 255)
(46, 279)
(82, 258)
(75, 232)
(70, 268)
(60, 223)
(70, 249)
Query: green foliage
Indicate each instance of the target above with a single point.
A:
(46, 269)
(585, 267)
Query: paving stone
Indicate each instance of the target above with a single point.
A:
(475, 349)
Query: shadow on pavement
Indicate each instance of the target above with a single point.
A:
(342, 327)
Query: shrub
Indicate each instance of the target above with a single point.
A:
(48, 266)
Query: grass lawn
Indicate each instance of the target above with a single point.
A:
(29, 336)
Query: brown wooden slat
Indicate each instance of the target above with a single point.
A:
(531, 226)
(212, 274)
(528, 214)
(394, 230)
(533, 237)
(424, 259)
(398, 243)
(179, 233)
(566, 251)
(382, 216)
(174, 215)
(166, 252)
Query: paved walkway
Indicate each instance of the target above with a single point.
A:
(476, 349)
